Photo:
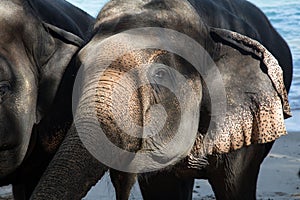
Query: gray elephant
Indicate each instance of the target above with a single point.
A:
(38, 42)
(142, 67)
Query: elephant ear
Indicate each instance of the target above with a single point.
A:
(52, 56)
(274, 71)
(257, 101)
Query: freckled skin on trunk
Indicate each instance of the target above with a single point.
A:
(107, 114)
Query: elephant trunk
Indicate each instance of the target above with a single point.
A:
(77, 161)
(74, 161)
(72, 164)
(118, 109)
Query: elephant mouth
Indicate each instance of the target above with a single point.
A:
(9, 153)
(9, 159)
(8, 147)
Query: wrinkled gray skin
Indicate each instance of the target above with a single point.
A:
(232, 175)
(35, 53)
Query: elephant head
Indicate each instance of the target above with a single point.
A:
(33, 57)
(205, 102)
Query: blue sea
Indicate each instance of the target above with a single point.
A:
(285, 17)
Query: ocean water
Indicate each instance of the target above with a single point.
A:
(285, 17)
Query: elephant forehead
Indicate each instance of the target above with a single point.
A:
(136, 59)
(11, 21)
(9, 9)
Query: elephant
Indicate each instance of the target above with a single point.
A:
(198, 87)
(39, 39)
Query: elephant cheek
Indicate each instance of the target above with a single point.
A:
(18, 119)
(15, 143)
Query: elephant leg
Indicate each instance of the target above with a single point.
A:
(235, 174)
(165, 186)
(123, 183)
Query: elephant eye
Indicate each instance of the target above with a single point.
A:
(160, 73)
(161, 78)
(4, 88)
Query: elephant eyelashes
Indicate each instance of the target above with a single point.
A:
(4, 89)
